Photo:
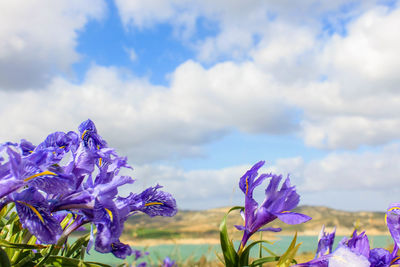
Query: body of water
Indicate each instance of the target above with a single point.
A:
(183, 252)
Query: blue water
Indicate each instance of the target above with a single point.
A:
(184, 252)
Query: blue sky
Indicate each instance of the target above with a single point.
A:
(195, 92)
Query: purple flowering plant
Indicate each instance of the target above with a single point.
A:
(356, 251)
(69, 180)
(277, 204)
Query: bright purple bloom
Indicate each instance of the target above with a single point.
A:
(89, 136)
(43, 188)
(138, 254)
(359, 244)
(158, 203)
(169, 263)
(355, 251)
(350, 252)
(277, 203)
(325, 242)
(380, 257)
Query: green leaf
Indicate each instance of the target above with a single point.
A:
(77, 245)
(66, 220)
(68, 262)
(27, 261)
(230, 256)
(13, 217)
(46, 254)
(244, 256)
(4, 260)
(6, 209)
(269, 251)
(7, 244)
(288, 257)
(22, 254)
(264, 260)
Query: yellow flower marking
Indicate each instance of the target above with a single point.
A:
(109, 214)
(33, 209)
(247, 185)
(153, 203)
(100, 159)
(83, 134)
(394, 208)
(39, 174)
(395, 259)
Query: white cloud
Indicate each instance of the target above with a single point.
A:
(196, 189)
(369, 170)
(38, 39)
(366, 59)
(152, 122)
(345, 86)
(238, 23)
(368, 179)
(359, 102)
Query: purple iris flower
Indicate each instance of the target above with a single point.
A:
(277, 203)
(139, 254)
(352, 251)
(44, 184)
(355, 251)
(89, 136)
(325, 242)
(169, 263)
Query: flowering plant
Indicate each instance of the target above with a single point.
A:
(277, 204)
(356, 251)
(67, 181)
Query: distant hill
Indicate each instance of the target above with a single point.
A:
(204, 224)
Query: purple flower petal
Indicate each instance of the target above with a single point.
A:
(293, 217)
(379, 257)
(240, 227)
(393, 222)
(325, 242)
(271, 229)
(158, 203)
(121, 250)
(35, 215)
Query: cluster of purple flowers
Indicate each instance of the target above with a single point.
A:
(356, 251)
(74, 173)
(278, 203)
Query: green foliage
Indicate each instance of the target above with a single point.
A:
(287, 258)
(231, 258)
(18, 247)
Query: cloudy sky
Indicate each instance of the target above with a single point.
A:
(195, 92)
